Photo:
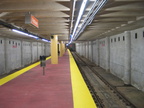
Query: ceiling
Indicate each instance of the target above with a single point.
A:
(56, 17)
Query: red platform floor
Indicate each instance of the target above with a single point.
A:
(35, 90)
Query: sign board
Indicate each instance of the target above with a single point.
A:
(30, 19)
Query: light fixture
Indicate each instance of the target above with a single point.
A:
(73, 9)
(20, 32)
(45, 40)
(83, 5)
(80, 15)
(23, 33)
(33, 36)
(29, 35)
(97, 5)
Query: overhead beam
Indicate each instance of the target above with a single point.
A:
(48, 24)
(51, 31)
(32, 6)
(39, 14)
(33, 0)
(123, 14)
(116, 19)
(128, 0)
(131, 7)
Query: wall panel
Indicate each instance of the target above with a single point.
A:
(13, 54)
(2, 56)
(137, 58)
(27, 53)
(34, 52)
(117, 55)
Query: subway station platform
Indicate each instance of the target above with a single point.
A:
(62, 86)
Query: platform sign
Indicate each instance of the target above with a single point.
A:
(34, 21)
(30, 19)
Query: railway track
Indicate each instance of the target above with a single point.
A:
(104, 94)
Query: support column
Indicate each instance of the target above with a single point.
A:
(127, 70)
(107, 45)
(54, 49)
(61, 48)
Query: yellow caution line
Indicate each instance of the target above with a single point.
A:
(16, 74)
(81, 95)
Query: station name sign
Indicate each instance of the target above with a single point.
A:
(30, 19)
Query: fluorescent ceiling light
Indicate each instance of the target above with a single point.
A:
(79, 16)
(20, 32)
(29, 35)
(23, 33)
(98, 4)
(45, 40)
(33, 36)
(72, 15)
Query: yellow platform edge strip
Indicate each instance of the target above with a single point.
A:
(17, 73)
(81, 94)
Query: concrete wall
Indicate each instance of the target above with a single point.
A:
(90, 50)
(39, 49)
(97, 52)
(26, 53)
(94, 51)
(42, 49)
(15, 54)
(102, 53)
(82, 49)
(47, 48)
(79, 48)
(34, 51)
(2, 56)
(121, 54)
(87, 49)
(117, 55)
(137, 58)
(77, 44)
(95, 47)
